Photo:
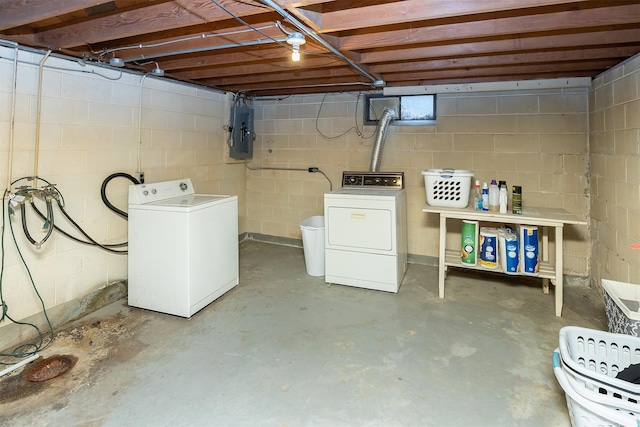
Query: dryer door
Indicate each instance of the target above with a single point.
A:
(353, 228)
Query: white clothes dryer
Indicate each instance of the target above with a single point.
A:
(366, 231)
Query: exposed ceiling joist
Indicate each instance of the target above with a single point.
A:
(150, 19)
(348, 42)
(21, 12)
(416, 10)
(512, 27)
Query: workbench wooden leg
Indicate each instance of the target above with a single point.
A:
(545, 256)
(441, 255)
(559, 269)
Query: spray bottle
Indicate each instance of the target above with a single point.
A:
(477, 198)
(485, 197)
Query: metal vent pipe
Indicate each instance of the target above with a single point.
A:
(376, 156)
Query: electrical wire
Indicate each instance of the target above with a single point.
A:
(310, 170)
(327, 178)
(232, 118)
(354, 127)
(257, 30)
(24, 350)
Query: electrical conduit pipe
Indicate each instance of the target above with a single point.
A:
(36, 153)
(13, 118)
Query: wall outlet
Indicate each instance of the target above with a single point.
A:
(140, 176)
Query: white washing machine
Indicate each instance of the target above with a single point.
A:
(366, 231)
(183, 247)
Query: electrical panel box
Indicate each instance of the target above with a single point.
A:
(241, 144)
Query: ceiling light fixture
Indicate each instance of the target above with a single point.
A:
(116, 62)
(296, 40)
(157, 71)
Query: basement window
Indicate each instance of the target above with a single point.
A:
(411, 110)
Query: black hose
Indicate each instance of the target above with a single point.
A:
(49, 220)
(24, 225)
(75, 224)
(69, 236)
(103, 191)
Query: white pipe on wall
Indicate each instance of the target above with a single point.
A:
(38, 114)
(12, 125)
(139, 149)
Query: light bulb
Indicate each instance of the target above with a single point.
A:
(295, 40)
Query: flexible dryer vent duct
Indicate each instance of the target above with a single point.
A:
(387, 115)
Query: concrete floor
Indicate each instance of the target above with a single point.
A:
(286, 349)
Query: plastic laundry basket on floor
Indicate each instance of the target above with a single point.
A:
(313, 244)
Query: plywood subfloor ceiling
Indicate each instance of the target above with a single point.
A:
(240, 45)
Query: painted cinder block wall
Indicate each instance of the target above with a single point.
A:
(537, 139)
(614, 106)
(89, 130)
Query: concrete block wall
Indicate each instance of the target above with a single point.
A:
(536, 139)
(89, 130)
(615, 173)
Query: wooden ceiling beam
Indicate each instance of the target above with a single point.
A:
(507, 59)
(288, 4)
(542, 43)
(306, 90)
(160, 17)
(260, 68)
(415, 10)
(336, 81)
(21, 12)
(515, 26)
(565, 67)
(203, 60)
(289, 76)
(307, 16)
(265, 54)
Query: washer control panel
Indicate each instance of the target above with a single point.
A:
(373, 179)
(153, 192)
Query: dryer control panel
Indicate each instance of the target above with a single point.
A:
(373, 179)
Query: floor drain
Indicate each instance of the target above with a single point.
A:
(46, 369)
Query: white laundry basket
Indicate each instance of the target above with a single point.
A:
(583, 411)
(594, 359)
(447, 187)
(313, 244)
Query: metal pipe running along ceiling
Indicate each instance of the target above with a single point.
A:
(376, 81)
